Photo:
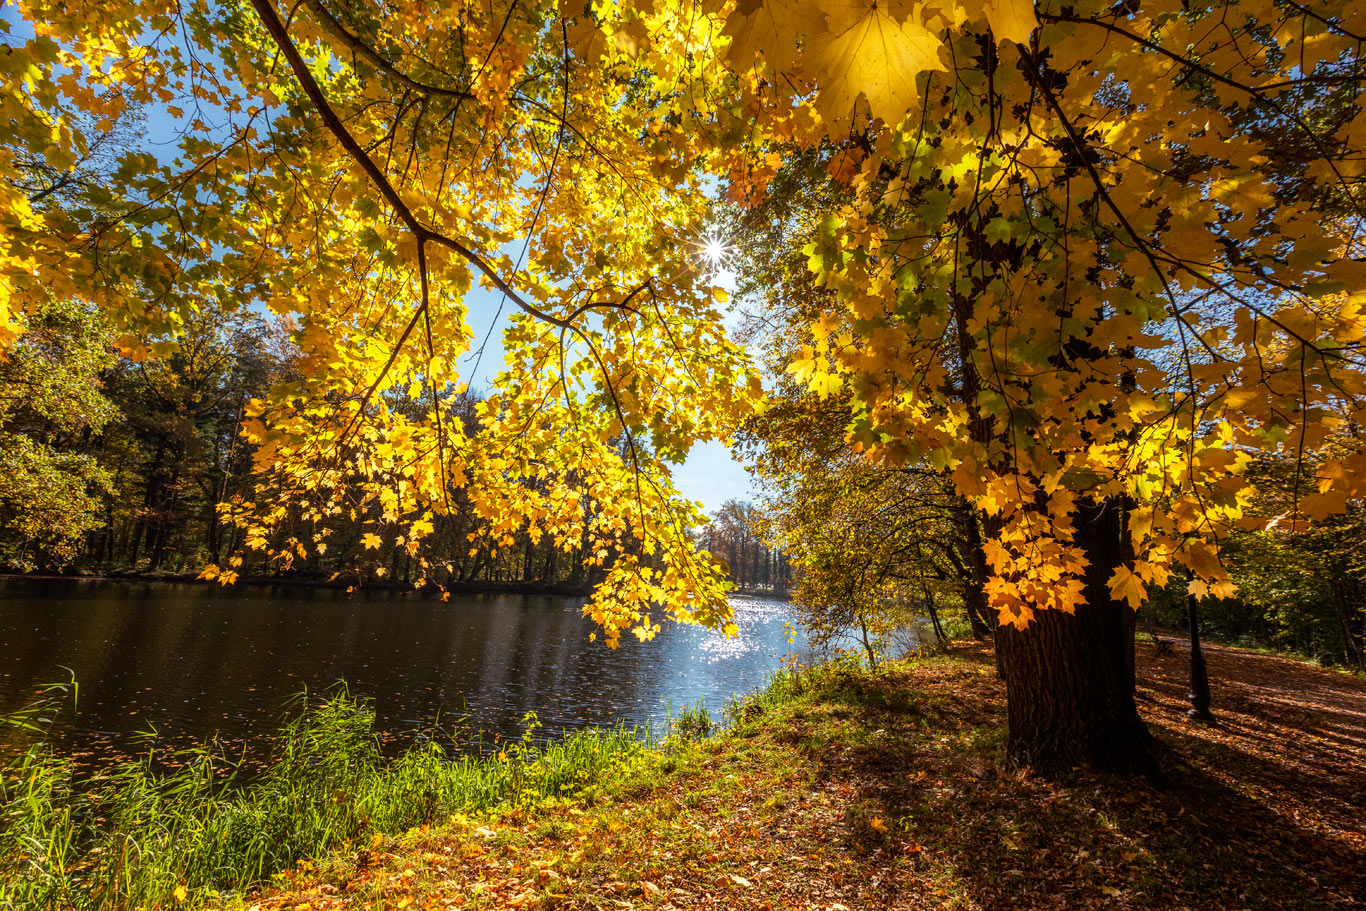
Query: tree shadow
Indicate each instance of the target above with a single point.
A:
(1230, 827)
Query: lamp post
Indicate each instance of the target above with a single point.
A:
(1199, 694)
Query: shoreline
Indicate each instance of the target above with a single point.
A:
(471, 588)
(566, 589)
(835, 787)
(844, 788)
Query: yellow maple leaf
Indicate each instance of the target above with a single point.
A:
(770, 29)
(1322, 505)
(1126, 586)
(868, 52)
(802, 368)
(1225, 589)
(1011, 20)
(371, 541)
(824, 384)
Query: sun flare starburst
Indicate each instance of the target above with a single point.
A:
(714, 251)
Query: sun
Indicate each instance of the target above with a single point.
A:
(714, 251)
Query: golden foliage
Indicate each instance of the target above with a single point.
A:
(1090, 252)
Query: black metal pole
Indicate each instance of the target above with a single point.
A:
(1199, 694)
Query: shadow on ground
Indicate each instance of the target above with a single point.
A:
(1265, 809)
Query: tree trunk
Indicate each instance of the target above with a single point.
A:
(529, 561)
(161, 536)
(867, 645)
(1070, 678)
(135, 544)
(1339, 580)
(548, 567)
(980, 614)
(939, 636)
(1351, 644)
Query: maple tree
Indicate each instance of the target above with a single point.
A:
(1086, 258)
(1073, 274)
(874, 546)
(360, 169)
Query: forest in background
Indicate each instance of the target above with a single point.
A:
(116, 466)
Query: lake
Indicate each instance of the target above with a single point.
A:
(192, 661)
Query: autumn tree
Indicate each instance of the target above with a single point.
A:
(360, 167)
(1072, 272)
(50, 400)
(735, 535)
(875, 546)
(870, 549)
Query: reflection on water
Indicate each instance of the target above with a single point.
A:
(190, 661)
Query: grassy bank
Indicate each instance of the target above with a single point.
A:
(839, 788)
(844, 789)
(137, 837)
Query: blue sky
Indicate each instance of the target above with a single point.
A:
(713, 476)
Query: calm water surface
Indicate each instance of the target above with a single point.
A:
(192, 661)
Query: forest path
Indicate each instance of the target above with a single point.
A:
(1288, 735)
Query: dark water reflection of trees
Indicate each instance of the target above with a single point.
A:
(194, 661)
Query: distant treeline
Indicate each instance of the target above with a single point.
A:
(112, 465)
(735, 535)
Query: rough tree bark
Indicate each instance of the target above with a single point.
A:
(1070, 677)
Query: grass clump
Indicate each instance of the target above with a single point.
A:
(138, 837)
(694, 722)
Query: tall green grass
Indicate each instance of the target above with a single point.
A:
(138, 837)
